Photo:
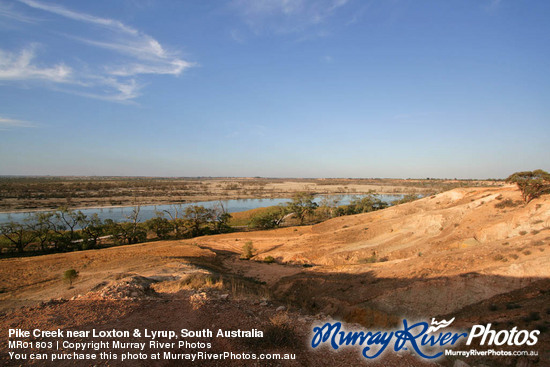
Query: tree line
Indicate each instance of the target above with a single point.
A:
(71, 230)
(304, 209)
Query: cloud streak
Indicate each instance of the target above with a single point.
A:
(8, 124)
(19, 66)
(128, 54)
(64, 12)
(7, 11)
(286, 16)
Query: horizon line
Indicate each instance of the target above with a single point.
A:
(250, 177)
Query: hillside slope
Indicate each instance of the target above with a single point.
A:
(432, 256)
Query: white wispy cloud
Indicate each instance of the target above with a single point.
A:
(59, 10)
(20, 66)
(147, 57)
(8, 123)
(137, 53)
(7, 11)
(117, 90)
(126, 40)
(286, 16)
(174, 67)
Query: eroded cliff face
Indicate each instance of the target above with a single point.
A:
(433, 256)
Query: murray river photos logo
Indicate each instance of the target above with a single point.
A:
(428, 341)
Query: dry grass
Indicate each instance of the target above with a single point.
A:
(238, 288)
(508, 203)
(200, 280)
(279, 332)
(194, 281)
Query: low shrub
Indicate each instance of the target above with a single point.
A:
(368, 260)
(508, 203)
(200, 280)
(279, 332)
(248, 250)
(69, 276)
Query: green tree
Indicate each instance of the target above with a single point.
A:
(532, 184)
(328, 205)
(18, 234)
(270, 218)
(125, 233)
(178, 223)
(92, 229)
(58, 231)
(406, 199)
(41, 225)
(68, 221)
(220, 218)
(132, 231)
(364, 204)
(160, 226)
(115, 231)
(302, 205)
(197, 217)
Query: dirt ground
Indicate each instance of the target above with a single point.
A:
(477, 254)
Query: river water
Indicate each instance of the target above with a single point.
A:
(149, 211)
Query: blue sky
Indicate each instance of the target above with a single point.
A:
(275, 88)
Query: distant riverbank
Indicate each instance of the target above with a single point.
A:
(25, 194)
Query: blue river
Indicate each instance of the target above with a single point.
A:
(120, 213)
